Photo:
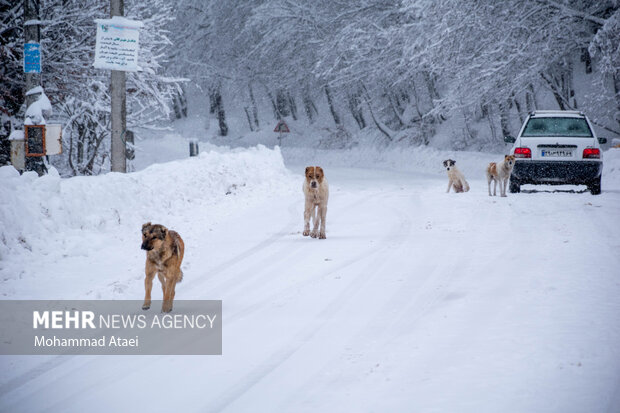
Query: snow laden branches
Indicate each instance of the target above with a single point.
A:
(79, 92)
(406, 67)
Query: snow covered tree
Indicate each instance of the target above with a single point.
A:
(78, 91)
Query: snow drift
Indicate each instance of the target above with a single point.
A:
(50, 215)
(611, 168)
(424, 160)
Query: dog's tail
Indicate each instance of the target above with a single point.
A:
(177, 249)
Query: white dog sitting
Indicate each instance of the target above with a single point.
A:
(456, 179)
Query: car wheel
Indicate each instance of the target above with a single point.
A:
(595, 186)
(514, 187)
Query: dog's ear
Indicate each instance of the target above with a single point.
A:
(163, 231)
(452, 161)
(445, 163)
(145, 226)
(307, 170)
(506, 156)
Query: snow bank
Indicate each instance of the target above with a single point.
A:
(54, 216)
(424, 160)
(611, 168)
(420, 159)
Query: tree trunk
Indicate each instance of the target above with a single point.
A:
(519, 109)
(504, 118)
(282, 104)
(586, 59)
(530, 99)
(221, 115)
(179, 104)
(616, 78)
(309, 106)
(355, 106)
(217, 107)
(555, 91)
(254, 108)
(433, 93)
(332, 109)
(487, 113)
(292, 105)
(212, 100)
(247, 114)
(276, 113)
(382, 128)
(560, 81)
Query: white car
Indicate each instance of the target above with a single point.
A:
(554, 148)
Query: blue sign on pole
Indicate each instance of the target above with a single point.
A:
(32, 58)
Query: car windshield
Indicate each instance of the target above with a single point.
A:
(568, 127)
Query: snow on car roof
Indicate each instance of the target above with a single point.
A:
(558, 113)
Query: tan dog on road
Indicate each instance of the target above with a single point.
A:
(164, 254)
(500, 172)
(455, 177)
(316, 191)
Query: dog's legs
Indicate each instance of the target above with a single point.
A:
(489, 179)
(315, 222)
(465, 186)
(323, 214)
(150, 270)
(162, 281)
(307, 213)
(449, 185)
(502, 186)
(171, 281)
(495, 187)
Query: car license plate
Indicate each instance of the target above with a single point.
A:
(556, 153)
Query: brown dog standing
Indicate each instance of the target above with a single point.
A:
(316, 191)
(500, 172)
(164, 254)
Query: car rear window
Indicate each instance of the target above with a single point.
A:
(569, 127)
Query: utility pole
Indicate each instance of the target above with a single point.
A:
(118, 114)
(32, 34)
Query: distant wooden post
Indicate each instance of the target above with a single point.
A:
(193, 148)
(118, 114)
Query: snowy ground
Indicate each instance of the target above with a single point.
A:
(417, 301)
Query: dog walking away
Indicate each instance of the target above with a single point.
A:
(456, 179)
(164, 254)
(500, 172)
(316, 191)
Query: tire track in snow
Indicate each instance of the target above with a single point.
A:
(237, 282)
(398, 232)
(410, 303)
(57, 361)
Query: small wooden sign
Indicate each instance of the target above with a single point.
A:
(34, 135)
(53, 139)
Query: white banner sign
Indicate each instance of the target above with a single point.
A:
(117, 44)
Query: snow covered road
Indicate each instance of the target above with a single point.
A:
(417, 301)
